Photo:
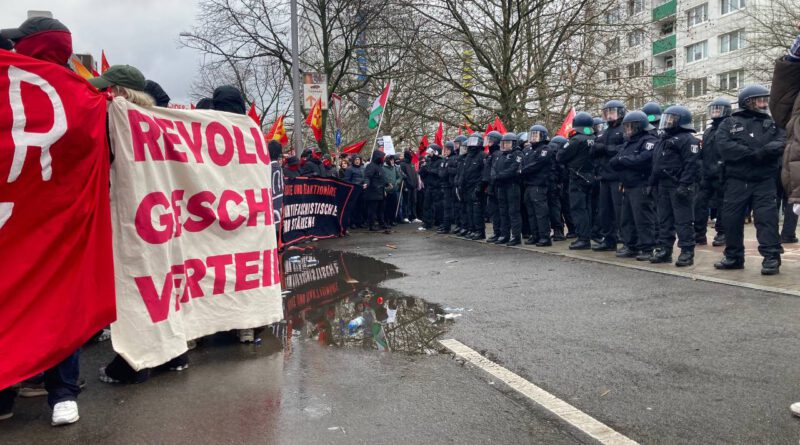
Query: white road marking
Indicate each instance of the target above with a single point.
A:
(587, 424)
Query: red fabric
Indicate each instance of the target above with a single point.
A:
(57, 286)
(277, 132)
(489, 129)
(95, 73)
(423, 144)
(254, 114)
(468, 129)
(50, 46)
(103, 62)
(498, 125)
(566, 126)
(354, 148)
(437, 138)
(314, 120)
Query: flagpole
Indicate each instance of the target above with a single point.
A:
(380, 121)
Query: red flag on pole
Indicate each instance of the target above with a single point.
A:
(314, 120)
(566, 126)
(437, 138)
(95, 73)
(277, 132)
(467, 128)
(103, 62)
(498, 125)
(254, 114)
(354, 148)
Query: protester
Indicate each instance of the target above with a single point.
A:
(355, 175)
(410, 187)
(291, 169)
(375, 191)
(311, 163)
(394, 178)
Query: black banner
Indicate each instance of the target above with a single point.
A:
(316, 208)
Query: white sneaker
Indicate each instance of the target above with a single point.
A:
(406, 221)
(246, 336)
(416, 221)
(422, 229)
(65, 413)
(795, 407)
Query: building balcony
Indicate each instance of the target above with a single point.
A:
(667, 78)
(665, 10)
(663, 45)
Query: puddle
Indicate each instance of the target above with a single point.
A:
(334, 298)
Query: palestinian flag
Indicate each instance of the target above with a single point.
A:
(378, 106)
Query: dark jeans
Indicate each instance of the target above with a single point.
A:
(566, 212)
(375, 209)
(60, 381)
(675, 215)
(409, 204)
(390, 207)
(476, 202)
(639, 218)
(762, 197)
(554, 207)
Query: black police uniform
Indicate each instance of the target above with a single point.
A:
(537, 175)
(575, 156)
(607, 145)
(554, 195)
(430, 179)
(710, 190)
(505, 173)
(674, 175)
(751, 146)
(634, 163)
(473, 191)
(448, 168)
(491, 208)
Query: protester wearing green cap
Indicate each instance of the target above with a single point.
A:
(124, 81)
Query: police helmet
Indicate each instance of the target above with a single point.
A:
(748, 95)
(560, 140)
(653, 111)
(508, 141)
(598, 124)
(582, 123)
(719, 108)
(634, 123)
(538, 133)
(676, 116)
(617, 108)
(475, 140)
(494, 137)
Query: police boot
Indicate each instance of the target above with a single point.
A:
(686, 258)
(443, 231)
(661, 255)
(788, 239)
(531, 240)
(558, 235)
(605, 246)
(626, 252)
(515, 240)
(719, 240)
(501, 240)
(771, 266)
(701, 240)
(544, 242)
(730, 263)
(644, 255)
(571, 235)
(492, 238)
(580, 245)
(478, 236)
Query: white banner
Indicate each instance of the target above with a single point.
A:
(194, 236)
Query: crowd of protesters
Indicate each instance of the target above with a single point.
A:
(632, 181)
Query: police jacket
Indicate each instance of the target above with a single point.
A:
(751, 146)
(506, 167)
(575, 155)
(461, 163)
(447, 171)
(486, 176)
(711, 160)
(606, 146)
(675, 159)
(354, 175)
(634, 162)
(473, 168)
(560, 171)
(430, 172)
(537, 164)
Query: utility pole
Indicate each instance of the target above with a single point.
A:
(297, 131)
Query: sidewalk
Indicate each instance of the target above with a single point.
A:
(786, 282)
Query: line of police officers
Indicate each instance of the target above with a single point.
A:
(640, 178)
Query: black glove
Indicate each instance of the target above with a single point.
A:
(614, 163)
(684, 191)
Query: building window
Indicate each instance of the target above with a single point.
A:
(731, 81)
(669, 62)
(696, 87)
(699, 121)
(666, 96)
(697, 15)
(635, 38)
(728, 6)
(612, 76)
(636, 69)
(668, 28)
(613, 16)
(636, 102)
(635, 6)
(612, 46)
(698, 51)
(731, 41)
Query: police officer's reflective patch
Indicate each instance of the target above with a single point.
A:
(649, 146)
(519, 158)
(544, 153)
(566, 145)
(737, 128)
(695, 148)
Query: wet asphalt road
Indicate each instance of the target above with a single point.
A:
(658, 358)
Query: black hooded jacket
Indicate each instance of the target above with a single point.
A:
(410, 175)
(375, 179)
(229, 98)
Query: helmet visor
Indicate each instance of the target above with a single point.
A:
(669, 121)
(612, 114)
(535, 137)
(631, 129)
(717, 111)
(760, 104)
(598, 128)
(506, 145)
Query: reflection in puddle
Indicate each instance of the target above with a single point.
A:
(334, 298)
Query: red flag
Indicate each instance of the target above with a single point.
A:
(489, 129)
(467, 128)
(314, 120)
(354, 148)
(95, 73)
(498, 125)
(566, 126)
(437, 138)
(423, 144)
(254, 114)
(277, 132)
(191, 106)
(103, 62)
(57, 287)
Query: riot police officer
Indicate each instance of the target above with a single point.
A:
(473, 188)
(561, 204)
(751, 146)
(460, 211)
(429, 172)
(505, 173)
(576, 157)
(493, 142)
(673, 177)
(537, 175)
(607, 146)
(709, 194)
(653, 111)
(448, 168)
(634, 164)
(598, 125)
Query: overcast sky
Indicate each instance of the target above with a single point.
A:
(142, 33)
